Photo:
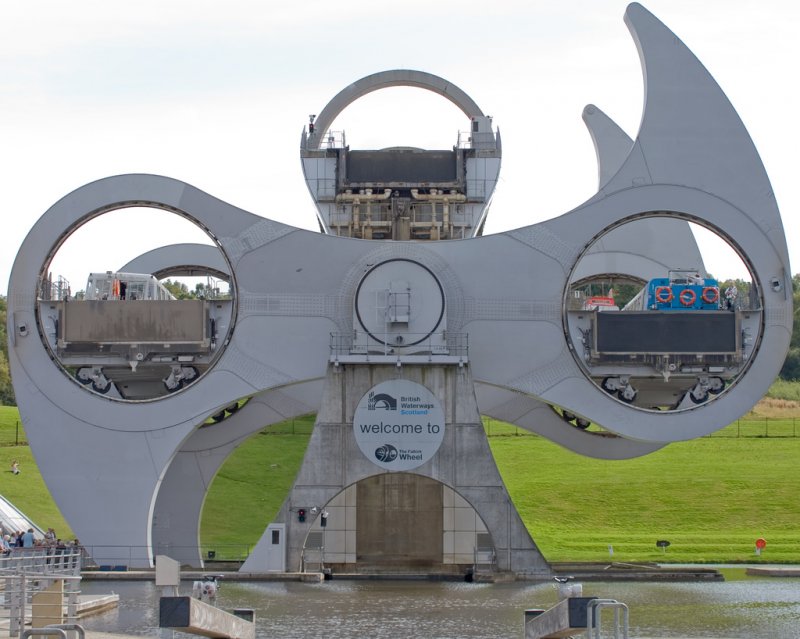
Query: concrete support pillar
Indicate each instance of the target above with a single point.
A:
(47, 605)
(463, 462)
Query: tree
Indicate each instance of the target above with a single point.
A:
(179, 290)
(742, 295)
(791, 367)
(6, 389)
(795, 343)
(624, 293)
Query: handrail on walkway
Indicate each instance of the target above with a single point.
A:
(42, 560)
(75, 627)
(33, 632)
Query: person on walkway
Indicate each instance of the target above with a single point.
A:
(77, 551)
(61, 548)
(28, 539)
(731, 293)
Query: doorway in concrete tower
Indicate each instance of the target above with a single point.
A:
(399, 523)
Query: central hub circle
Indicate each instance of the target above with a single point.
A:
(399, 302)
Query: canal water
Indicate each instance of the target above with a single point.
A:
(767, 608)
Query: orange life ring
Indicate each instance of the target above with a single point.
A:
(710, 295)
(664, 294)
(687, 297)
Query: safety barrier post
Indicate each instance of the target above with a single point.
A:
(594, 625)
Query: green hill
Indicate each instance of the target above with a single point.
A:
(27, 490)
(711, 498)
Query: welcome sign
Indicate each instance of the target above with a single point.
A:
(398, 424)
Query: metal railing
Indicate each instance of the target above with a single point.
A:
(476, 139)
(44, 560)
(399, 345)
(123, 558)
(484, 560)
(58, 289)
(312, 559)
(333, 140)
(594, 621)
(25, 574)
(755, 427)
(759, 427)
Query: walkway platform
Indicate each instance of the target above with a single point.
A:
(87, 606)
(789, 571)
(579, 571)
(197, 575)
(95, 604)
(634, 572)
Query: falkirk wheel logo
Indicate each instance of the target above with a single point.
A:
(386, 453)
(398, 425)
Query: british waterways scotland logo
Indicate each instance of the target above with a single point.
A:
(381, 400)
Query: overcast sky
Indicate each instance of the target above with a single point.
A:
(217, 93)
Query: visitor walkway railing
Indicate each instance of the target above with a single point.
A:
(44, 561)
(30, 579)
(360, 346)
(123, 558)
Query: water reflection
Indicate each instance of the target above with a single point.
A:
(751, 609)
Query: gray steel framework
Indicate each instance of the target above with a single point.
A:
(136, 472)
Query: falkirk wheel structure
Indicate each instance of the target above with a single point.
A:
(399, 325)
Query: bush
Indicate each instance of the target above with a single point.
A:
(791, 367)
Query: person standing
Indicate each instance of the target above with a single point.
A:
(61, 549)
(28, 539)
(731, 293)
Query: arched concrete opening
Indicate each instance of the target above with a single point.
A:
(398, 522)
(383, 80)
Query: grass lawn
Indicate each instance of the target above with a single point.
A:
(27, 491)
(711, 498)
(11, 430)
(251, 486)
